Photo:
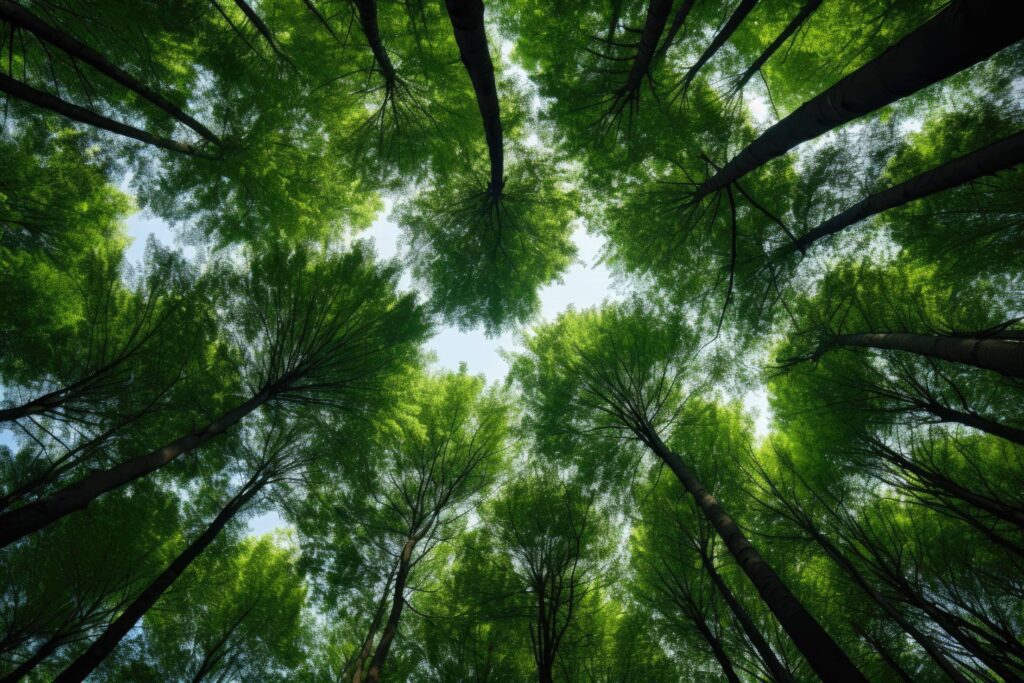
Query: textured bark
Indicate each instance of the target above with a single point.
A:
(792, 27)
(750, 629)
(43, 100)
(87, 662)
(34, 516)
(654, 25)
(368, 23)
(467, 17)
(964, 33)
(720, 39)
(821, 652)
(998, 156)
(22, 18)
(1004, 357)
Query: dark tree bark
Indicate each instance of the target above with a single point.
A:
(998, 156)
(43, 100)
(1004, 357)
(964, 33)
(34, 516)
(467, 17)
(87, 662)
(40, 655)
(18, 16)
(678, 21)
(715, 643)
(826, 658)
(354, 670)
(984, 424)
(792, 27)
(720, 39)
(262, 27)
(368, 23)
(654, 25)
(387, 636)
(772, 664)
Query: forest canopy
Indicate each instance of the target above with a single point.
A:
(815, 203)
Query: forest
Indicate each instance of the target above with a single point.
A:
(815, 202)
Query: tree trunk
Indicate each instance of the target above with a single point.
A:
(821, 652)
(467, 17)
(26, 667)
(36, 515)
(792, 27)
(1004, 357)
(87, 662)
(677, 24)
(387, 637)
(964, 33)
(978, 422)
(998, 156)
(720, 39)
(49, 102)
(717, 649)
(368, 23)
(262, 28)
(354, 671)
(772, 664)
(884, 653)
(654, 25)
(21, 17)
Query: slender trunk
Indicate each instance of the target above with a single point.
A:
(884, 653)
(772, 664)
(720, 39)
(356, 667)
(792, 27)
(964, 33)
(38, 405)
(26, 667)
(262, 27)
(1004, 357)
(978, 422)
(87, 662)
(677, 24)
(654, 25)
(47, 101)
(387, 637)
(821, 652)
(909, 628)
(368, 23)
(717, 649)
(36, 515)
(320, 17)
(467, 17)
(21, 17)
(998, 156)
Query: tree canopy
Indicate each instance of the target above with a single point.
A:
(787, 446)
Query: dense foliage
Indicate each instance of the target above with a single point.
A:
(818, 204)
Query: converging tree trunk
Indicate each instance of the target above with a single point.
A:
(38, 514)
(368, 23)
(44, 100)
(971, 419)
(964, 33)
(678, 21)
(87, 662)
(792, 27)
(826, 658)
(387, 637)
(654, 25)
(720, 39)
(353, 672)
(998, 156)
(467, 17)
(18, 16)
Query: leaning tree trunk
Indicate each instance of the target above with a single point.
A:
(984, 424)
(354, 671)
(37, 658)
(964, 33)
(998, 156)
(654, 25)
(677, 24)
(720, 39)
(18, 16)
(36, 515)
(1004, 357)
(368, 23)
(87, 662)
(43, 100)
(387, 636)
(717, 649)
(826, 658)
(467, 17)
(792, 27)
(775, 668)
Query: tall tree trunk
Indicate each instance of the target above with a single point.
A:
(43, 100)
(677, 24)
(947, 414)
(717, 649)
(772, 664)
(998, 156)
(821, 652)
(38, 514)
(467, 17)
(654, 25)
(720, 39)
(354, 671)
(387, 636)
(368, 23)
(26, 667)
(262, 28)
(21, 17)
(884, 653)
(87, 662)
(964, 33)
(1004, 357)
(792, 27)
